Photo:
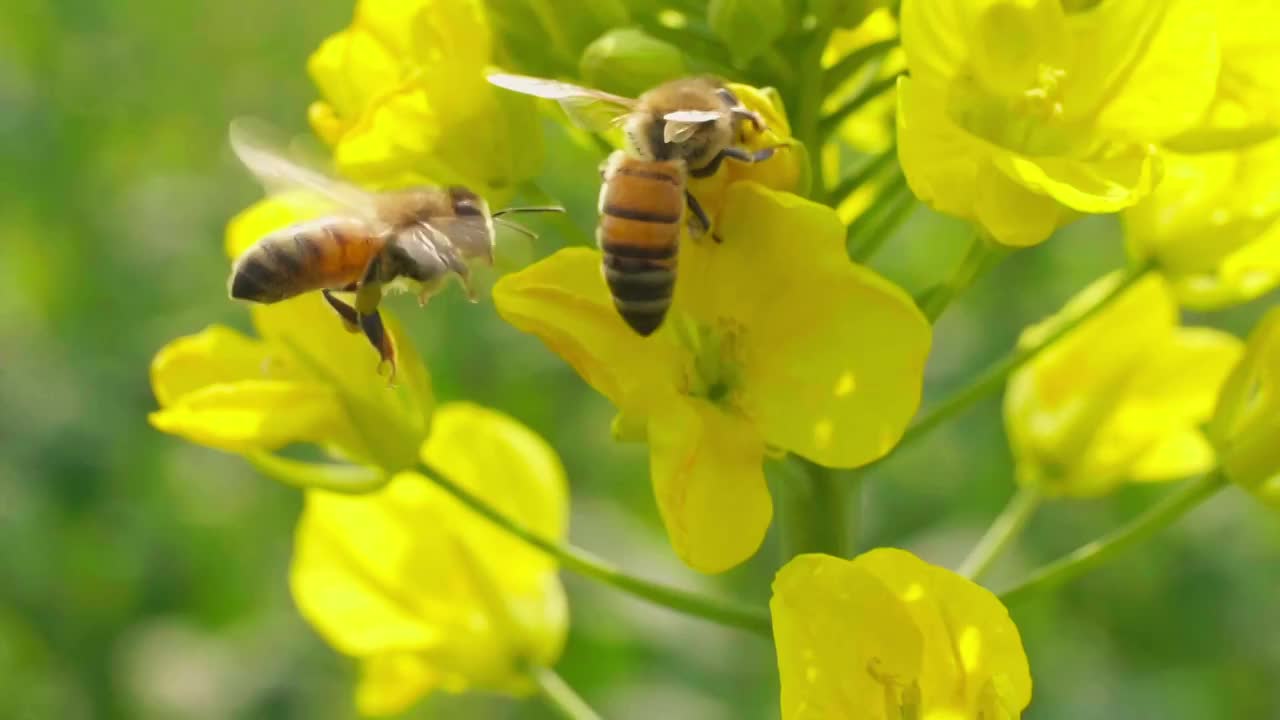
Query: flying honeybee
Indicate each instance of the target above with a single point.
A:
(412, 239)
(683, 128)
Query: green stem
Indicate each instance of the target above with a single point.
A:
(559, 696)
(994, 377)
(850, 184)
(870, 235)
(1006, 528)
(1164, 513)
(818, 511)
(808, 109)
(983, 255)
(872, 91)
(586, 563)
(835, 76)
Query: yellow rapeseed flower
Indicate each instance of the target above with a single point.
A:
(1213, 225)
(774, 340)
(305, 379)
(887, 636)
(1246, 424)
(1019, 114)
(426, 594)
(405, 100)
(1246, 108)
(1121, 397)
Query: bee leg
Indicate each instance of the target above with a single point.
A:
(350, 319)
(704, 222)
(734, 153)
(380, 339)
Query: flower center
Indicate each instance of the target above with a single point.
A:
(714, 366)
(1031, 121)
(902, 701)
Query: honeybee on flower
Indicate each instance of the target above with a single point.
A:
(681, 129)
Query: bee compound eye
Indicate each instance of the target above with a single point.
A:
(465, 202)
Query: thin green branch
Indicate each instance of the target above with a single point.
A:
(586, 563)
(872, 91)
(1004, 530)
(1170, 508)
(818, 511)
(559, 696)
(866, 239)
(983, 255)
(994, 377)
(836, 75)
(850, 184)
(808, 110)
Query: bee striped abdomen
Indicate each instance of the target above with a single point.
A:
(641, 205)
(314, 255)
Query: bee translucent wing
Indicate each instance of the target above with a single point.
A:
(682, 124)
(469, 236)
(593, 110)
(259, 147)
(693, 116)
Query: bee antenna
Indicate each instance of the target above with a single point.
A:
(531, 209)
(515, 226)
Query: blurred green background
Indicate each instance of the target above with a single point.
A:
(144, 578)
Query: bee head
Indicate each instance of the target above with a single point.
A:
(470, 229)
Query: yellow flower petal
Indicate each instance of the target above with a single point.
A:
(847, 647)
(424, 591)
(338, 477)
(1246, 108)
(1099, 186)
(351, 65)
(214, 356)
(1010, 213)
(954, 173)
(564, 302)
(1213, 225)
(1012, 42)
(406, 101)
(391, 683)
(1246, 423)
(832, 355)
(933, 40)
(1172, 78)
(1165, 403)
(393, 420)
(1080, 421)
(1066, 105)
(973, 661)
(246, 415)
(708, 477)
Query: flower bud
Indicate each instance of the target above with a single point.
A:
(629, 62)
(1246, 425)
(546, 37)
(747, 27)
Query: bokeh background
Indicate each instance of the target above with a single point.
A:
(145, 578)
